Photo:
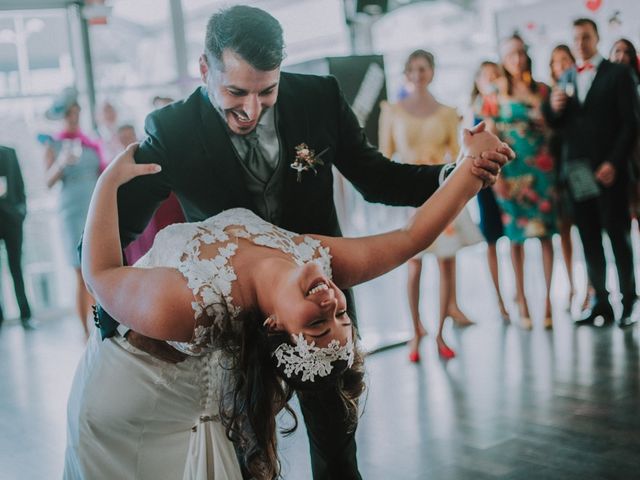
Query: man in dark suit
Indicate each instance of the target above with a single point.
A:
(233, 143)
(596, 109)
(13, 209)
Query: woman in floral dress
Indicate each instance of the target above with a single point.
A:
(525, 191)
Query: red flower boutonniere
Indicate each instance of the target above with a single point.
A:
(306, 159)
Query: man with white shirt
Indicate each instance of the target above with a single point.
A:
(596, 109)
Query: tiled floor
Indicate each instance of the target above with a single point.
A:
(512, 404)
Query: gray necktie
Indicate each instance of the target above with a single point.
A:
(255, 160)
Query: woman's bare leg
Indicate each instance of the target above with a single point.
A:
(453, 310)
(492, 260)
(445, 265)
(413, 292)
(567, 253)
(517, 259)
(547, 264)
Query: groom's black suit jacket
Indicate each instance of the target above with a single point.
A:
(191, 142)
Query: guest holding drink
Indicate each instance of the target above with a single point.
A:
(73, 160)
(562, 60)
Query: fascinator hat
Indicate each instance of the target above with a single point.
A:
(62, 103)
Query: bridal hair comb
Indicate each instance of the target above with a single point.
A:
(309, 360)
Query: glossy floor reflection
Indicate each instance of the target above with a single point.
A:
(512, 404)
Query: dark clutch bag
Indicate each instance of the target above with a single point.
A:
(581, 180)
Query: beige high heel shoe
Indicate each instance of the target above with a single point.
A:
(525, 323)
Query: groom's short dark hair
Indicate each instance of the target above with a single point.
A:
(249, 32)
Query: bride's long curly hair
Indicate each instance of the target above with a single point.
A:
(254, 391)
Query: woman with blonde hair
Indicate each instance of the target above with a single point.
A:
(420, 130)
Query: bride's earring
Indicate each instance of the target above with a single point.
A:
(270, 322)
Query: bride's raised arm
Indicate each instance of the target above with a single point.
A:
(155, 302)
(356, 260)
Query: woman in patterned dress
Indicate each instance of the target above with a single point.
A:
(525, 191)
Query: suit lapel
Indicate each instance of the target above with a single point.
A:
(293, 129)
(221, 152)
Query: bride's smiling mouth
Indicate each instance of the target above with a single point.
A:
(318, 285)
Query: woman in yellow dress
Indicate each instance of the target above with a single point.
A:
(420, 130)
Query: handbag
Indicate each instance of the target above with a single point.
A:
(581, 180)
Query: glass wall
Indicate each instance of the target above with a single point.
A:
(35, 63)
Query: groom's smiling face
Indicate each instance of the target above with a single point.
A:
(243, 92)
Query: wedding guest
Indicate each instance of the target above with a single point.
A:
(624, 52)
(562, 60)
(422, 131)
(108, 131)
(525, 190)
(484, 104)
(73, 159)
(13, 209)
(599, 125)
(126, 135)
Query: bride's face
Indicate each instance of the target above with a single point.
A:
(309, 302)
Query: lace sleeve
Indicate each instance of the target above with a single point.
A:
(210, 281)
(311, 249)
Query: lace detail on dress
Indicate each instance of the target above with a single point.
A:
(211, 279)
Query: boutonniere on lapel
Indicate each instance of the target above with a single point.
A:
(307, 159)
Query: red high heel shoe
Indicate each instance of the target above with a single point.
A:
(445, 352)
(414, 357)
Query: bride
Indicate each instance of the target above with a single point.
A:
(247, 313)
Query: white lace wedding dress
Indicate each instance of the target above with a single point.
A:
(132, 416)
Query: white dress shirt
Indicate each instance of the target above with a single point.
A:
(585, 78)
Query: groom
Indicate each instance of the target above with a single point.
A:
(232, 144)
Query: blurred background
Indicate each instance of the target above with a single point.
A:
(126, 52)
